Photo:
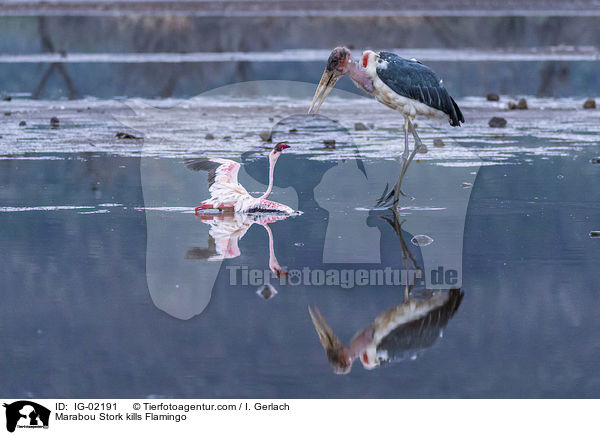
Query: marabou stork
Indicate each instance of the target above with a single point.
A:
(399, 332)
(404, 85)
(228, 194)
(395, 334)
(227, 229)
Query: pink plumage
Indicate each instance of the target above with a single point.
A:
(227, 193)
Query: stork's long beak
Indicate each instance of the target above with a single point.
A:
(326, 335)
(328, 81)
(335, 349)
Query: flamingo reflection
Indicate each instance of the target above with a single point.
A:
(226, 230)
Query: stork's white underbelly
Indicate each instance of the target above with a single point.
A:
(407, 106)
(396, 316)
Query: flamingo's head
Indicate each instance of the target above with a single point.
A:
(277, 150)
(336, 67)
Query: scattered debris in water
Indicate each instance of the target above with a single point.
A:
(266, 135)
(54, 122)
(594, 234)
(359, 126)
(22, 124)
(590, 103)
(226, 137)
(122, 135)
(467, 185)
(438, 143)
(266, 291)
(520, 105)
(421, 240)
(7, 113)
(209, 136)
(293, 131)
(497, 122)
(492, 97)
(329, 143)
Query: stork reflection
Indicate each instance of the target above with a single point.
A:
(226, 230)
(398, 333)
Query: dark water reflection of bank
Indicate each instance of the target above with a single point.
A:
(177, 34)
(75, 289)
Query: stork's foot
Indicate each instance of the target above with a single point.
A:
(391, 199)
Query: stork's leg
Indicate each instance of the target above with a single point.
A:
(418, 144)
(405, 161)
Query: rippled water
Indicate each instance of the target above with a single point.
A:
(112, 286)
(105, 265)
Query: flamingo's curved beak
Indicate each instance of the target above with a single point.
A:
(328, 81)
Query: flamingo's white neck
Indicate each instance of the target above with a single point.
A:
(273, 263)
(273, 156)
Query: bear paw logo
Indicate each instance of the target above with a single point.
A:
(294, 277)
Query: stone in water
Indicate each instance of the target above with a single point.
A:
(497, 122)
(590, 103)
(265, 135)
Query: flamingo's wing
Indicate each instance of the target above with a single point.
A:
(221, 171)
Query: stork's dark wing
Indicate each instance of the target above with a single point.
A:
(219, 170)
(421, 333)
(412, 79)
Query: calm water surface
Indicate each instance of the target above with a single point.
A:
(112, 287)
(84, 313)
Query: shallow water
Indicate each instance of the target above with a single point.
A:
(105, 288)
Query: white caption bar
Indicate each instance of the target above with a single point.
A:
(264, 416)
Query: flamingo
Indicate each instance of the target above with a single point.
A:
(404, 85)
(226, 230)
(228, 194)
